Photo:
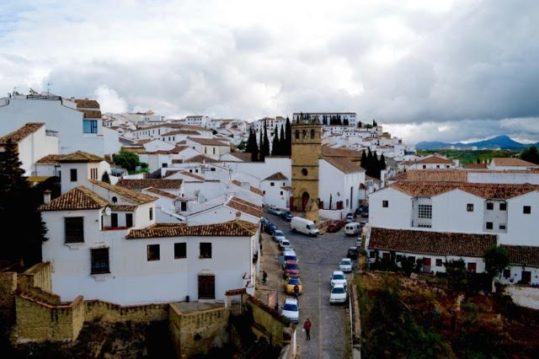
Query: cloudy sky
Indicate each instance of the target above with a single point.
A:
(443, 69)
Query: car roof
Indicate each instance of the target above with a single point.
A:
(346, 259)
(338, 272)
(291, 301)
(295, 279)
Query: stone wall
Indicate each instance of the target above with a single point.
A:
(38, 276)
(268, 322)
(8, 286)
(96, 310)
(198, 331)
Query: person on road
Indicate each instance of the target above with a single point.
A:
(307, 327)
(264, 277)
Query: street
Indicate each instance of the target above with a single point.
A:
(318, 258)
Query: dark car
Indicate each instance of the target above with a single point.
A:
(270, 228)
(291, 270)
(365, 212)
(286, 216)
(335, 225)
(352, 253)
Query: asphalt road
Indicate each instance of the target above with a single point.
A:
(318, 258)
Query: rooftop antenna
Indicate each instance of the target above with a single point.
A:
(48, 88)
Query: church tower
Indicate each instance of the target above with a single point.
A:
(306, 152)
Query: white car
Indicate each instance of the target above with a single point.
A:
(337, 277)
(291, 309)
(345, 265)
(285, 244)
(338, 294)
(278, 236)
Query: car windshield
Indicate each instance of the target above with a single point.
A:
(290, 258)
(337, 290)
(294, 281)
(345, 262)
(279, 233)
(290, 307)
(338, 276)
(311, 226)
(292, 266)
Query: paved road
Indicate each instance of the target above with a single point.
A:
(318, 257)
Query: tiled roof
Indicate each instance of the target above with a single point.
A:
(236, 228)
(523, 255)
(434, 160)
(483, 190)
(434, 176)
(244, 206)
(512, 162)
(85, 103)
(78, 198)
(277, 176)
(50, 159)
(433, 243)
(343, 164)
(476, 166)
(243, 156)
(137, 197)
(208, 141)
(122, 208)
(21, 133)
(181, 132)
(200, 159)
(161, 193)
(340, 152)
(80, 156)
(91, 114)
(145, 183)
(253, 189)
(193, 175)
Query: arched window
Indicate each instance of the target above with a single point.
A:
(304, 133)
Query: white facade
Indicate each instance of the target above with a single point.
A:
(276, 192)
(339, 187)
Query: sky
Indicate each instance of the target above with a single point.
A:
(427, 70)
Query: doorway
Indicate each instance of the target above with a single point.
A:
(206, 286)
(304, 200)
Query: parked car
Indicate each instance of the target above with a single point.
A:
(289, 255)
(352, 253)
(337, 277)
(286, 216)
(304, 226)
(365, 212)
(349, 217)
(335, 225)
(345, 265)
(291, 283)
(291, 309)
(338, 294)
(270, 228)
(278, 235)
(291, 270)
(284, 244)
(352, 228)
(275, 211)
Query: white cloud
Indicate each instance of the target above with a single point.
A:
(109, 100)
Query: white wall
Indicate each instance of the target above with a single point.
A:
(275, 195)
(522, 228)
(449, 212)
(263, 169)
(397, 215)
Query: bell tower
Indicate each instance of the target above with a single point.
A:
(306, 152)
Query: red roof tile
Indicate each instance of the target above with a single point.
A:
(236, 228)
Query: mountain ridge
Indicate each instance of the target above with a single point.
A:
(503, 142)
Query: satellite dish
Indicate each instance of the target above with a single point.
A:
(108, 211)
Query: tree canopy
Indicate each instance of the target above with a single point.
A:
(127, 160)
(530, 154)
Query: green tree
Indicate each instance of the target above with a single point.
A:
(127, 160)
(288, 136)
(496, 260)
(252, 146)
(275, 143)
(530, 154)
(241, 146)
(19, 203)
(265, 147)
(105, 177)
(261, 155)
(383, 165)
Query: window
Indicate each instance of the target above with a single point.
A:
(469, 207)
(304, 134)
(93, 173)
(439, 262)
(272, 184)
(385, 203)
(151, 214)
(100, 261)
(152, 252)
(281, 193)
(472, 267)
(73, 175)
(490, 206)
(89, 126)
(489, 225)
(205, 250)
(296, 134)
(114, 199)
(213, 150)
(424, 166)
(74, 229)
(502, 227)
(506, 273)
(527, 209)
(183, 206)
(503, 206)
(180, 250)
(304, 171)
(164, 165)
(114, 220)
(424, 211)
(129, 220)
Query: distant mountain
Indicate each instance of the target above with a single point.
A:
(503, 142)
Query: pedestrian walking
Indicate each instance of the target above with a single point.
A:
(307, 327)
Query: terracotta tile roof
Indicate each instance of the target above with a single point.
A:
(200, 159)
(244, 156)
(208, 141)
(80, 156)
(277, 176)
(340, 152)
(476, 166)
(91, 114)
(483, 190)
(21, 133)
(138, 184)
(434, 159)
(523, 255)
(512, 162)
(161, 193)
(181, 132)
(192, 175)
(244, 206)
(122, 208)
(137, 197)
(434, 176)
(85, 103)
(236, 228)
(253, 189)
(433, 243)
(343, 164)
(78, 198)
(50, 159)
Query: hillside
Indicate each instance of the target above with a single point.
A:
(503, 142)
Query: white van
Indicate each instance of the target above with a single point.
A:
(352, 228)
(304, 226)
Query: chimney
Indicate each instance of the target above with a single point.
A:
(47, 196)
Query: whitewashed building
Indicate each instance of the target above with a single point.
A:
(276, 189)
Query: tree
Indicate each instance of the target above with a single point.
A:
(275, 148)
(261, 156)
(19, 203)
(374, 123)
(496, 260)
(282, 143)
(383, 165)
(127, 160)
(241, 146)
(364, 160)
(288, 132)
(105, 177)
(530, 154)
(265, 147)
(252, 147)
